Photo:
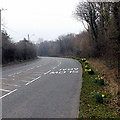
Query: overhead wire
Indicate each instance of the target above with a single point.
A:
(8, 28)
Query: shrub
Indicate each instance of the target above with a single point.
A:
(99, 98)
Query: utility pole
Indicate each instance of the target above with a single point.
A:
(0, 40)
(28, 37)
(0, 35)
(0, 66)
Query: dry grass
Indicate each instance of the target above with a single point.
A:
(110, 75)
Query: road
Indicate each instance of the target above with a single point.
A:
(48, 87)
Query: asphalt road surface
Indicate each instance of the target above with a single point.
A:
(48, 87)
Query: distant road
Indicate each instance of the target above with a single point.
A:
(48, 87)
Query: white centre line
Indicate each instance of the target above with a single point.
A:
(59, 64)
(33, 80)
(54, 67)
(47, 72)
(5, 90)
(8, 93)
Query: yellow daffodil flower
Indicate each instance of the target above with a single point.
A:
(103, 95)
(89, 69)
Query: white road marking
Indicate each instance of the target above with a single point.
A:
(70, 69)
(76, 68)
(75, 71)
(33, 80)
(52, 73)
(47, 72)
(4, 90)
(64, 69)
(62, 72)
(59, 64)
(8, 93)
(56, 72)
(54, 67)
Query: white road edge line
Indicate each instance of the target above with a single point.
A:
(8, 93)
(33, 80)
(47, 72)
(4, 90)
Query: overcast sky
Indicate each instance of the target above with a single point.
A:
(45, 19)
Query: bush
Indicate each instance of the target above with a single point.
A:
(99, 98)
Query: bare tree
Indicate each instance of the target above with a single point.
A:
(88, 12)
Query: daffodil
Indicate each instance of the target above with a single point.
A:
(103, 95)
(87, 61)
(98, 76)
(89, 69)
(83, 59)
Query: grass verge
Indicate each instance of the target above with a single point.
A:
(90, 107)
